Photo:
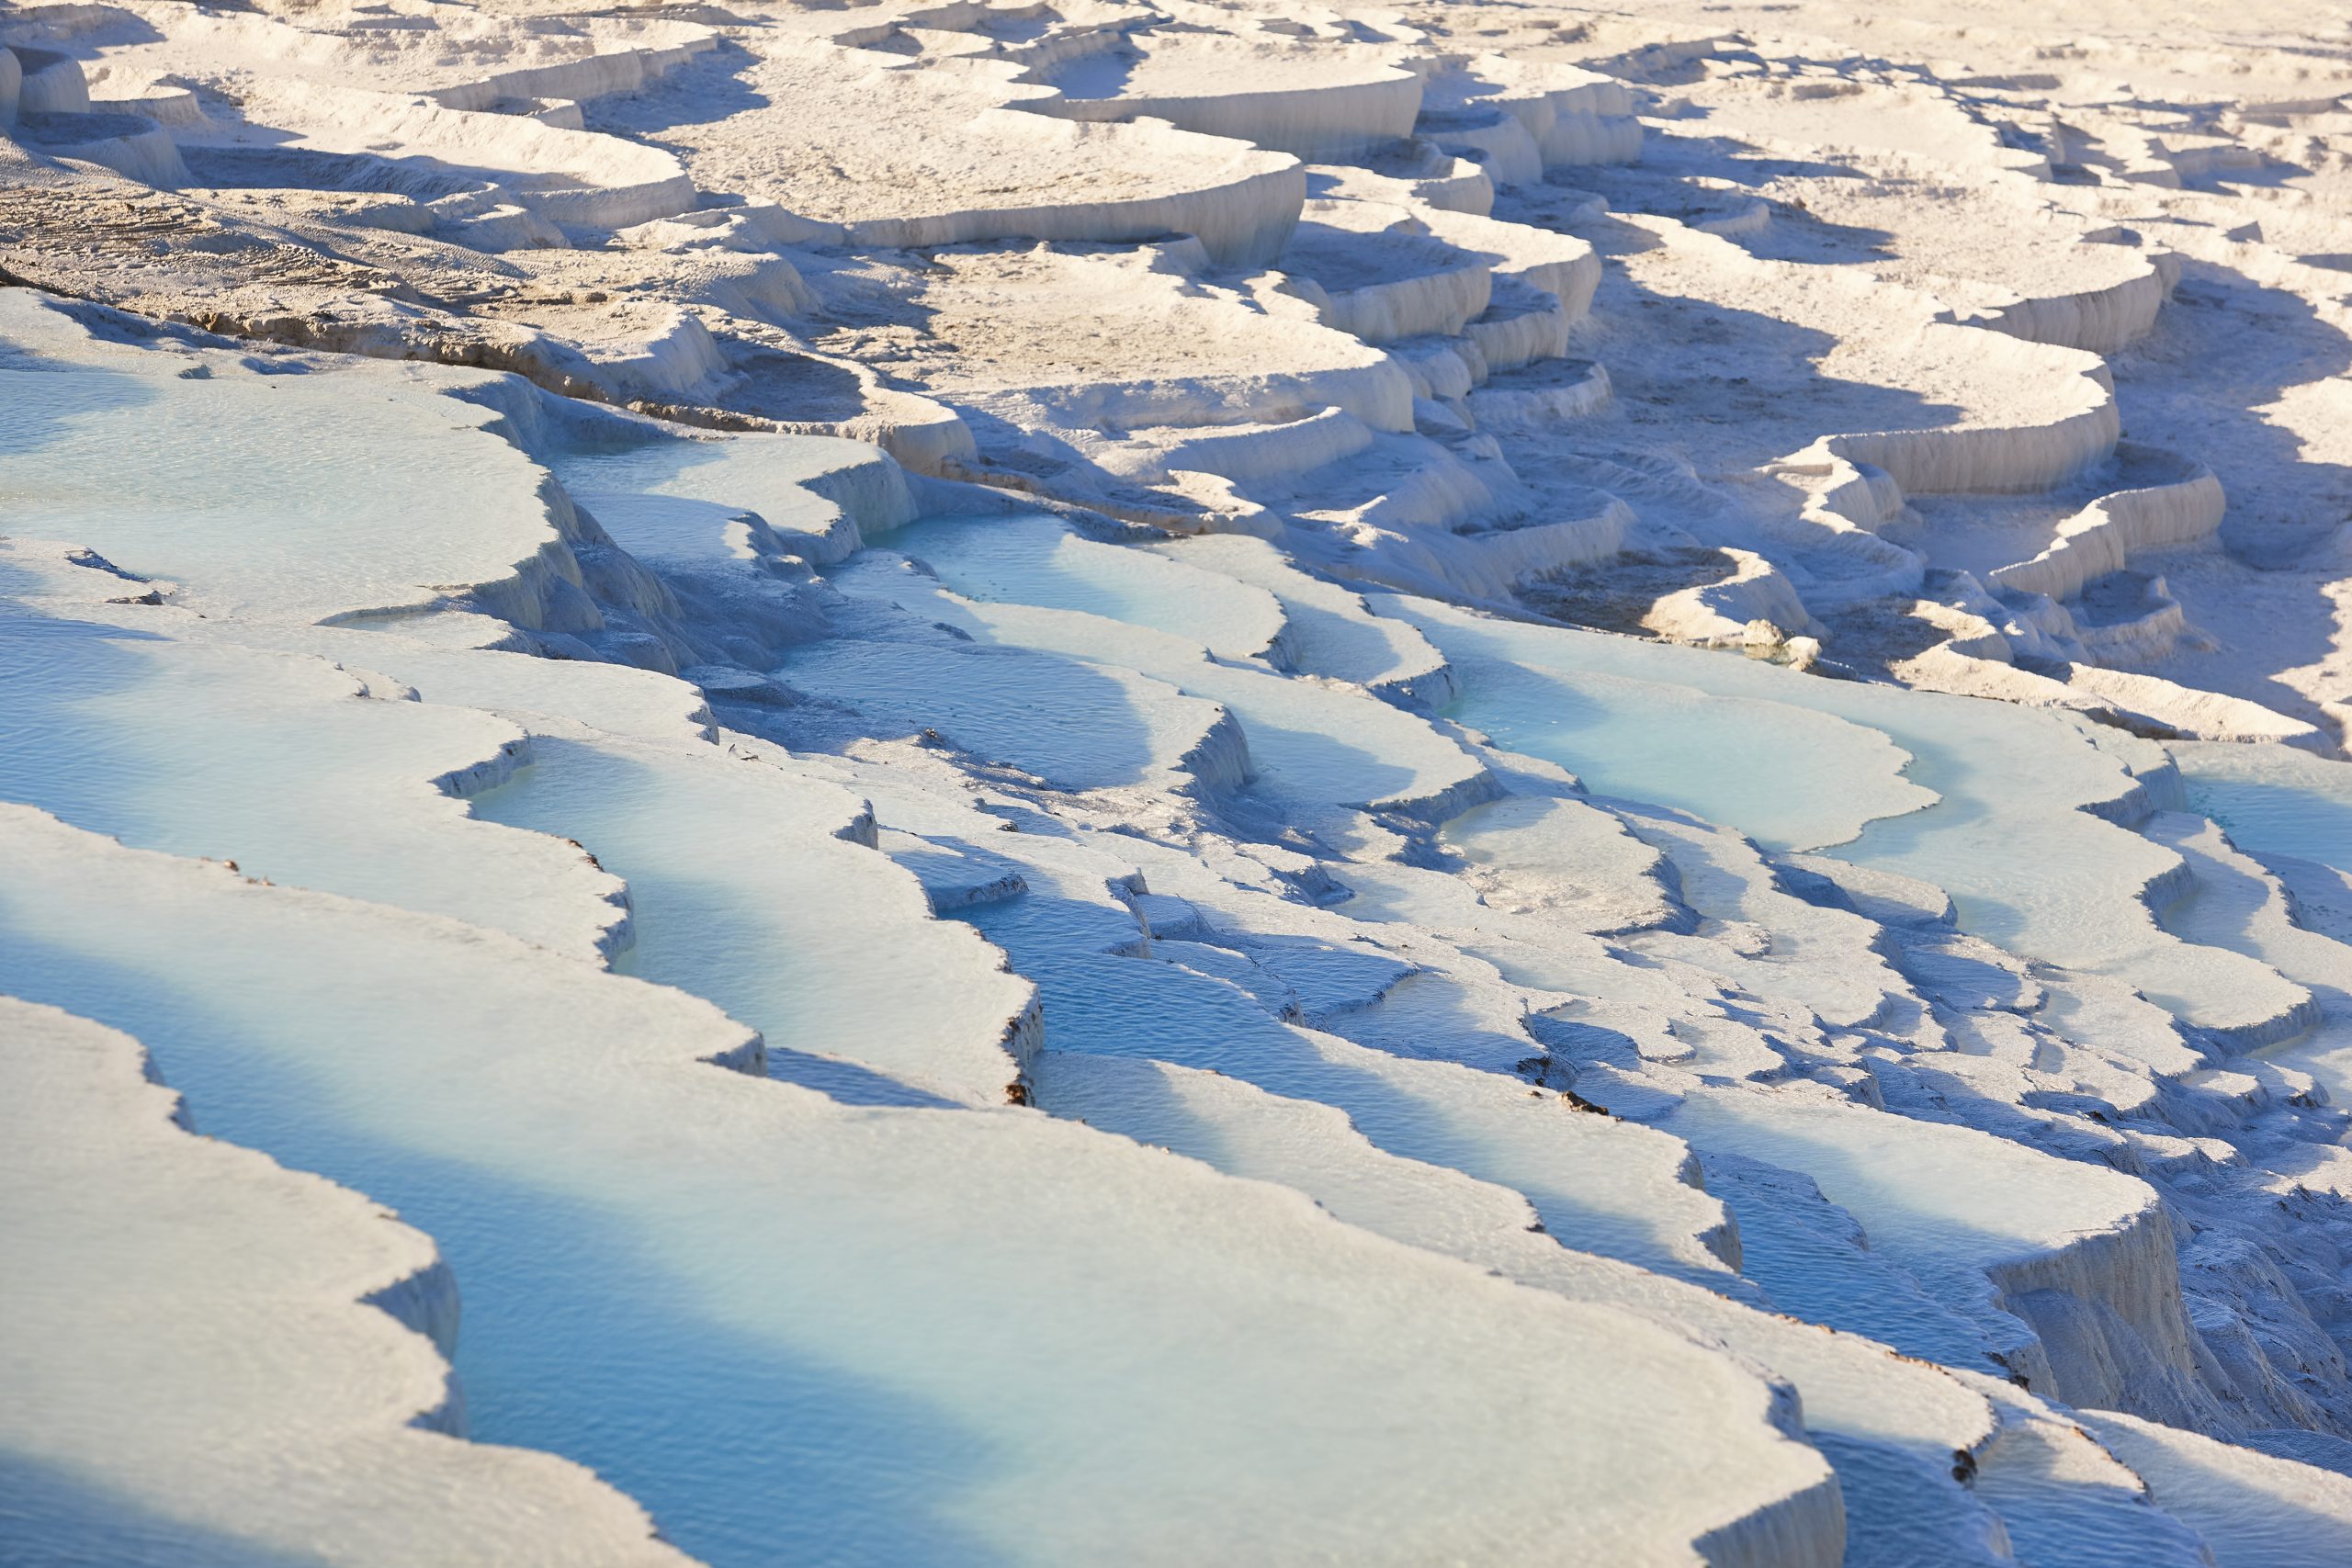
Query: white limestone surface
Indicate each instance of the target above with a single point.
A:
(424, 1082)
(214, 1359)
(1077, 592)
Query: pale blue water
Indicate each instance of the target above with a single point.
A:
(122, 732)
(583, 1333)
(797, 1330)
(1037, 559)
(578, 1337)
(2273, 799)
(1104, 1004)
(1073, 724)
(1100, 1004)
(673, 498)
(286, 493)
(805, 1345)
(1078, 605)
(797, 933)
(596, 1282)
(1789, 778)
(2001, 826)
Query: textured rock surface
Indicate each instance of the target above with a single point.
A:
(948, 733)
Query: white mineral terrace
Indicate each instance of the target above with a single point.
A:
(955, 784)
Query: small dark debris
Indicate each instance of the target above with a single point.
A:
(98, 562)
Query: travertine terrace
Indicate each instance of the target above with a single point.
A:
(1147, 782)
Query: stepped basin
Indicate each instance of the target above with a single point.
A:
(2292, 812)
(748, 1306)
(1792, 777)
(1791, 760)
(1601, 1186)
(121, 730)
(1384, 286)
(964, 167)
(1033, 559)
(1890, 1426)
(742, 892)
(194, 1378)
(1319, 100)
(1997, 804)
(1963, 1212)
(670, 499)
(1308, 744)
(2250, 1508)
(1327, 627)
(792, 1327)
(2143, 499)
(2272, 799)
(1070, 722)
(378, 493)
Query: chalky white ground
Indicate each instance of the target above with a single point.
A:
(1174, 783)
